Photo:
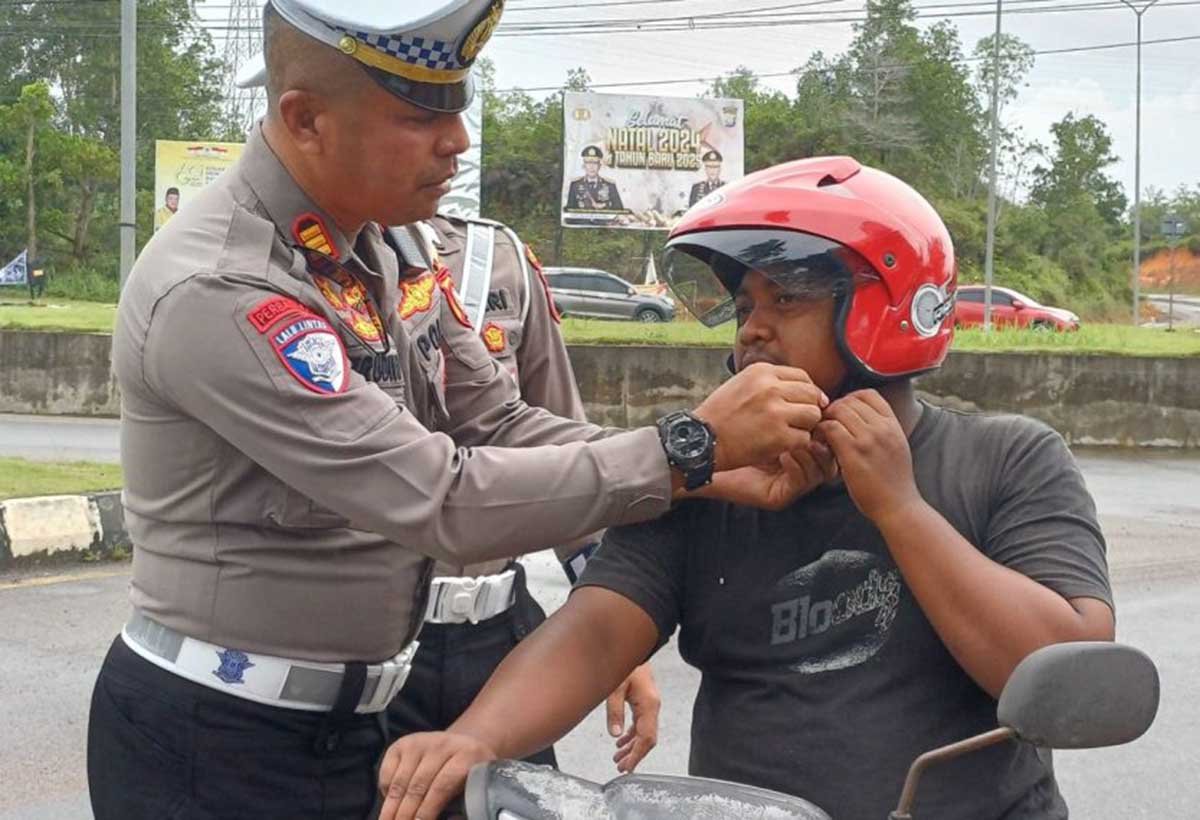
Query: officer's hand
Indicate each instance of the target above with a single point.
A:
(641, 693)
(775, 486)
(763, 411)
(873, 453)
(423, 772)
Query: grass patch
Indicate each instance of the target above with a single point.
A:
(53, 313)
(20, 478)
(677, 334)
(1120, 340)
(1095, 338)
(1123, 340)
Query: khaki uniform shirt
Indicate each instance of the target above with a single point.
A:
(520, 331)
(281, 501)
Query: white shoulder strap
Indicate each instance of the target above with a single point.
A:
(477, 271)
(526, 271)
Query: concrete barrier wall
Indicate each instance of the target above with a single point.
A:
(1112, 400)
(61, 523)
(1108, 400)
(64, 374)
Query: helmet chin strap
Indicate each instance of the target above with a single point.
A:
(853, 380)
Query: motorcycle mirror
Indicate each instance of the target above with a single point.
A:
(1081, 696)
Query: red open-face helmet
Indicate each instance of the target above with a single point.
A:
(881, 245)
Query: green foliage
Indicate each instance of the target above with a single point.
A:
(60, 75)
(95, 281)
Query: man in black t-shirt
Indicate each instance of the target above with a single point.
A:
(877, 617)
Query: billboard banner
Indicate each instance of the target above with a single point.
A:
(182, 168)
(16, 272)
(639, 162)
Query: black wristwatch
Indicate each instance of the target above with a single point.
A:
(690, 445)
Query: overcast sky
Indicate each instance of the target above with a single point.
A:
(1098, 82)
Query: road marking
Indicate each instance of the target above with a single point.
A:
(63, 579)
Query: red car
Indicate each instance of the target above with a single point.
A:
(1009, 307)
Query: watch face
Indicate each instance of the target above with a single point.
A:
(688, 439)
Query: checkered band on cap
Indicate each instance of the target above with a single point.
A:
(425, 52)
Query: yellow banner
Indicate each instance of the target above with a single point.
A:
(183, 168)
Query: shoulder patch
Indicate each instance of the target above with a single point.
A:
(271, 310)
(310, 231)
(446, 283)
(537, 268)
(494, 338)
(312, 352)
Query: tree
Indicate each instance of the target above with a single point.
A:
(880, 115)
(772, 125)
(24, 124)
(823, 100)
(73, 49)
(947, 116)
(1076, 170)
(1016, 61)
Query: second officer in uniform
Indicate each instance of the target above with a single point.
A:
(478, 613)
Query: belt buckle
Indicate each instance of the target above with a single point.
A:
(392, 676)
(464, 598)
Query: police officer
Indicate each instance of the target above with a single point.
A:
(308, 418)
(592, 192)
(478, 613)
(712, 160)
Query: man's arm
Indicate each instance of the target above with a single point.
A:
(989, 616)
(578, 656)
(345, 444)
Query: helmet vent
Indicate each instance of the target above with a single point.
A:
(827, 180)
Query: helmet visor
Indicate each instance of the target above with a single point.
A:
(448, 98)
(706, 268)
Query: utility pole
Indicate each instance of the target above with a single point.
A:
(128, 224)
(1173, 228)
(989, 255)
(1137, 163)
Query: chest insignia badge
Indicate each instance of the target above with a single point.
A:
(416, 295)
(494, 338)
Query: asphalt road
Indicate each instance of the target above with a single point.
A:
(1186, 308)
(57, 627)
(59, 438)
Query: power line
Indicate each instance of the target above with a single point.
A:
(795, 72)
(750, 18)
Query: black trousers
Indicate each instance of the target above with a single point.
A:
(164, 748)
(455, 661)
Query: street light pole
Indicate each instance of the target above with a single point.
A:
(989, 254)
(1137, 162)
(128, 223)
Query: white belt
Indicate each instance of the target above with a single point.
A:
(463, 600)
(291, 684)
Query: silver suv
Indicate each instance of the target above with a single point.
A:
(598, 294)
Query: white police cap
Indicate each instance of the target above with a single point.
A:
(420, 50)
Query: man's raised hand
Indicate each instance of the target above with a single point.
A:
(761, 413)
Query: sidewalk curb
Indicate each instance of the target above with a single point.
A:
(45, 525)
